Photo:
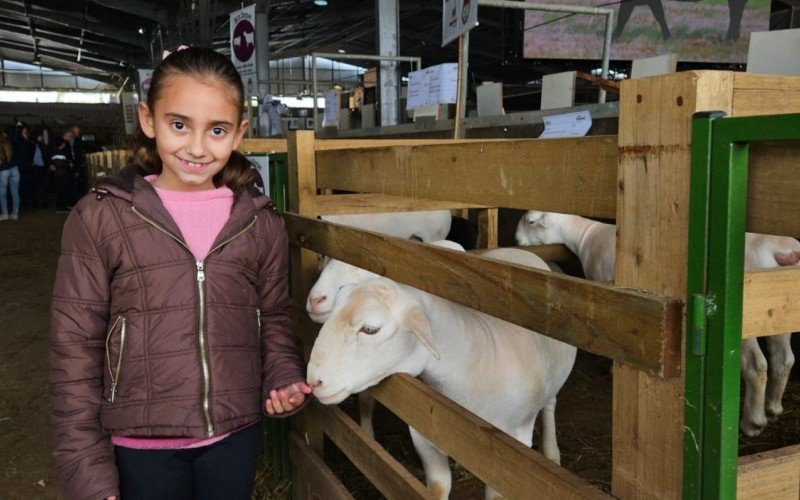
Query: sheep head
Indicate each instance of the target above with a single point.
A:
(335, 276)
(537, 228)
(378, 331)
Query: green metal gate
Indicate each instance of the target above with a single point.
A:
(718, 199)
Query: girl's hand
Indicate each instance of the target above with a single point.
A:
(111, 498)
(287, 398)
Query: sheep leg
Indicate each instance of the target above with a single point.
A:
(435, 463)
(754, 373)
(549, 442)
(366, 405)
(781, 360)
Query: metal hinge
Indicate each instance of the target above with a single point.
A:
(701, 308)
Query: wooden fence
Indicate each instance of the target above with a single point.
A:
(639, 177)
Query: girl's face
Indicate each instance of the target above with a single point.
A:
(196, 125)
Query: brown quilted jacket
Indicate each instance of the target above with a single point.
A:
(147, 341)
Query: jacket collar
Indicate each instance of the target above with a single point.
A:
(130, 185)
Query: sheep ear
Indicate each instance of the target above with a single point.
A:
(416, 322)
(543, 221)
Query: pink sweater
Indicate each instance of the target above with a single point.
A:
(200, 216)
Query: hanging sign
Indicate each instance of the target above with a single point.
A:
(458, 17)
(243, 47)
(145, 75)
(432, 85)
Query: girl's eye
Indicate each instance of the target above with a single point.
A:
(180, 126)
(369, 330)
(218, 131)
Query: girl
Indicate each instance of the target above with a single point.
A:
(170, 314)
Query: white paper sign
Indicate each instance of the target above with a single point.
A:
(145, 75)
(243, 47)
(261, 164)
(567, 125)
(434, 85)
(458, 17)
(332, 103)
(128, 102)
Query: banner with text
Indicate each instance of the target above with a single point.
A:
(243, 47)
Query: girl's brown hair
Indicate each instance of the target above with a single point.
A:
(203, 63)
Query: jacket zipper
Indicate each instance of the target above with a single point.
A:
(115, 378)
(258, 321)
(201, 278)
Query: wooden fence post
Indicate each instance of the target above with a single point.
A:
(652, 226)
(302, 192)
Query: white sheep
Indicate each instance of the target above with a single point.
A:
(503, 373)
(336, 277)
(594, 243)
(426, 226)
(764, 382)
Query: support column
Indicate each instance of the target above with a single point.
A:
(387, 14)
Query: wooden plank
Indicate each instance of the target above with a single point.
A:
(314, 473)
(340, 204)
(513, 469)
(549, 253)
(487, 228)
(652, 224)
(773, 474)
(773, 188)
(771, 302)
(576, 175)
(765, 94)
(621, 324)
(337, 144)
(382, 470)
(263, 146)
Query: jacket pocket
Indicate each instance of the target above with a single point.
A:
(114, 361)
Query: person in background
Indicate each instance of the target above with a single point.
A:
(63, 177)
(77, 153)
(7, 177)
(178, 267)
(10, 174)
(40, 162)
(22, 146)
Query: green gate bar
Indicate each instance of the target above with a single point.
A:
(718, 203)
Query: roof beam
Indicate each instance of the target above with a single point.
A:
(68, 42)
(63, 18)
(64, 57)
(159, 13)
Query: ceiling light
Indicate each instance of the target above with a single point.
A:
(321, 3)
(141, 31)
(341, 51)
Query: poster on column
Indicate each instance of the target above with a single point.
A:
(243, 47)
(458, 17)
(145, 75)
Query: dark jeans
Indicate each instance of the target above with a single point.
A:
(65, 188)
(224, 470)
(39, 186)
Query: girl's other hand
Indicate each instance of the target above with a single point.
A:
(287, 398)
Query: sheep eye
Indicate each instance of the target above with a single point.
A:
(369, 330)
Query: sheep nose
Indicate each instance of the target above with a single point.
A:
(315, 383)
(315, 301)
